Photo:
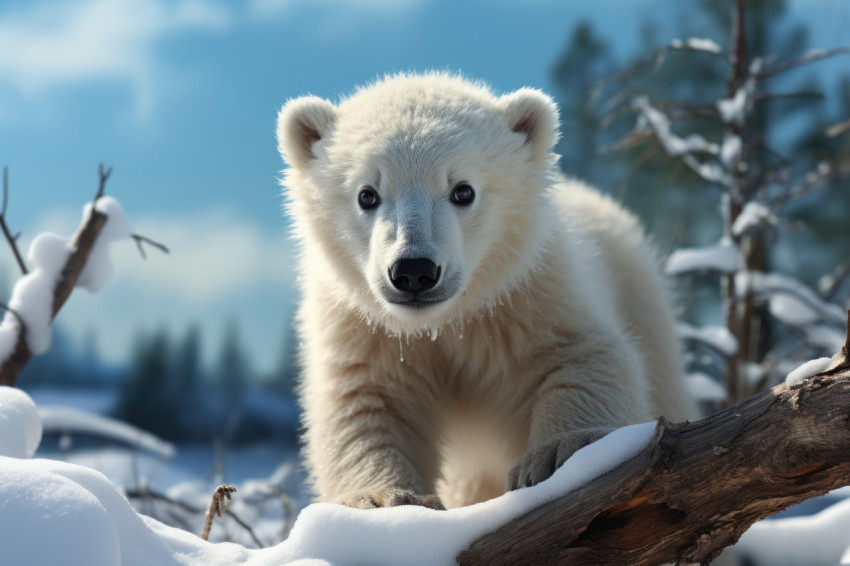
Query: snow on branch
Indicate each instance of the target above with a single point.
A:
(723, 258)
(753, 216)
(673, 145)
(716, 337)
(58, 265)
(697, 44)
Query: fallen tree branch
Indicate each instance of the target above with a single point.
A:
(696, 487)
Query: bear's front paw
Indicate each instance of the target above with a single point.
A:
(539, 464)
(389, 497)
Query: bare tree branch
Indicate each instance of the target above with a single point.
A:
(80, 247)
(103, 175)
(144, 239)
(810, 57)
(13, 240)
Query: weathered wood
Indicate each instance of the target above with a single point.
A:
(696, 487)
(80, 247)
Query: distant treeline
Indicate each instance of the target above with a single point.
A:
(166, 389)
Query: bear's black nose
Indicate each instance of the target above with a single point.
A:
(413, 275)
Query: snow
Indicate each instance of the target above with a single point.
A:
(99, 265)
(697, 44)
(730, 150)
(723, 258)
(716, 337)
(752, 216)
(704, 387)
(807, 370)
(672, 144)
(826, 337)
(68, 420)
(32, 296)
(59, 513)
(795, 304)
(816, 540)
(20, 427)
(734, 110)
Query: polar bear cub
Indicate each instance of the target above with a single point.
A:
(469, 318)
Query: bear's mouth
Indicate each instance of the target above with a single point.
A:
(417, 303)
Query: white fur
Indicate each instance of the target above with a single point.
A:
(555, 318)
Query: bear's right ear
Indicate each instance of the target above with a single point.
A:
(533, 114)
(301, 123)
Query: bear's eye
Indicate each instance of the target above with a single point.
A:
(463, 194)
(368, 198)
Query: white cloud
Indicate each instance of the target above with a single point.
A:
(262, 9)
(50, 44)
(213, 254)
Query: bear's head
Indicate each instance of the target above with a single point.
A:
(419, 199)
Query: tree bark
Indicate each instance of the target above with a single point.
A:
(696, 487)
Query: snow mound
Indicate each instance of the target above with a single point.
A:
(89, 522)
(807, 370)
(20, 426)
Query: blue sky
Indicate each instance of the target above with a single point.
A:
(180, 97)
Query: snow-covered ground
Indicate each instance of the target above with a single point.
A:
(66, 512)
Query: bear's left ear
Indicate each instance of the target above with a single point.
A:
(301, 123)
(535, 115)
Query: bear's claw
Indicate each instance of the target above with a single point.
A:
(540, 463)
(390, 497)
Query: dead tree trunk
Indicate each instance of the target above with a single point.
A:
(697, 486)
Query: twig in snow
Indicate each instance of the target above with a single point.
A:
(145, 493)
(148, 494)
(243, 524)
(13, 240)
(144, 239)
(219, 500)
